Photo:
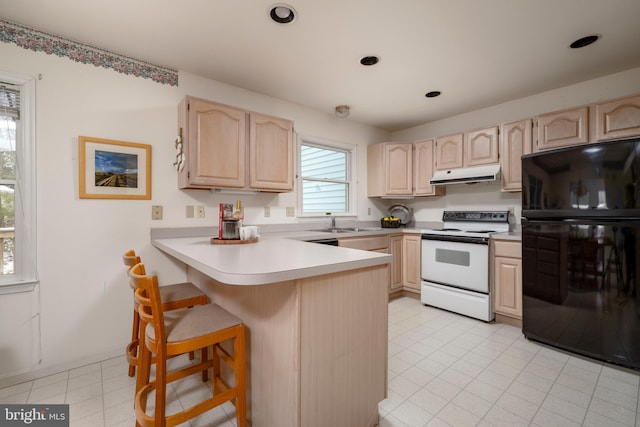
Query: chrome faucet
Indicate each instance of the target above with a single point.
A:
(333, 222)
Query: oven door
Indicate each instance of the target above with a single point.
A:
(459, 264)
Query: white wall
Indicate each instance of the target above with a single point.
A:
(81, 311)
(488, 196)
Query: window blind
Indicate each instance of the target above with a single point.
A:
(9, 100)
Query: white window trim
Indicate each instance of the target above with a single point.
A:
(25, 277)
(352, 178)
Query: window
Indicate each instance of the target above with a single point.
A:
(326, 178)
(17, 184)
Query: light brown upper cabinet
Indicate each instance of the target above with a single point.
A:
(270, 153)
(618, 118)
(515, 140)
(213, 139)
(562, 128)
(423, 160)
(449, 152)
(478, 147)
(389, 169)
(227, 147)
(481, 147)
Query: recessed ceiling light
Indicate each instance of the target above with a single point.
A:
(433, 94)
(342, 111)
(282, 13)
(584, 41)
(369, 60)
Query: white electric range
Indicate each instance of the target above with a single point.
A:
(455, 262)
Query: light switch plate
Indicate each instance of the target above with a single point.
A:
(291, 211)
(156, 212)
(189, 211)
(267, 211)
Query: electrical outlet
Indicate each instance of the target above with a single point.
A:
(189, 211)
(267, 211)
(156, 212)
(200, 211)
(291, 211)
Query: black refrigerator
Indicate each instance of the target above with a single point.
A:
(580, 248)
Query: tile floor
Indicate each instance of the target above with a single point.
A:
(444, 369)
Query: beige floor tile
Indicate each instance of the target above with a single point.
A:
(444, 370)
(411, 414)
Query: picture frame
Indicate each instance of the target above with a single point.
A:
(110, 169)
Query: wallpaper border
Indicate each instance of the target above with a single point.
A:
(39, 41)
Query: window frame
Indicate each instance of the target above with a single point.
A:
(352, 183)
(25, 275)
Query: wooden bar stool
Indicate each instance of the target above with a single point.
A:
(176, 332)
(178, 295)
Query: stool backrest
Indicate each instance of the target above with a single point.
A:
(130, 259)
(147, 294)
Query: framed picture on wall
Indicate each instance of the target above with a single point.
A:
(111, 169)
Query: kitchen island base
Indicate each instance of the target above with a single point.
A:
(316, 346)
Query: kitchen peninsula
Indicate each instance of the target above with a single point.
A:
(317, 325)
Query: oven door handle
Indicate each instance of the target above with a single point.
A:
(461, 239)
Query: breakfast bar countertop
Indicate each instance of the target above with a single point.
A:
(314, 299)
(270, 260)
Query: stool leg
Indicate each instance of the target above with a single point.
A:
(204, 357)
(215, 363)
(144, 364)
(142, 379)
(161, 388)
(239, 368)
(135, 332)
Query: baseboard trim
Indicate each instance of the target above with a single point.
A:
(21, 377)
(500, 318)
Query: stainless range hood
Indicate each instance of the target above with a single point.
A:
(485, 173)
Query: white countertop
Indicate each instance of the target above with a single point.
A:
(280, 255)
(511, 235)
(272, 259)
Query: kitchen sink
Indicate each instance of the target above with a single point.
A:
(347, 229)
(338, 230)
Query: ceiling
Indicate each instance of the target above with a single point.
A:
(477, 53)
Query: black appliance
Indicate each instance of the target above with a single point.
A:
(580, 247)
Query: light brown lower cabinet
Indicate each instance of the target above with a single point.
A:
(411, 262)
(380, 244)
(405, 269)
(396, 250)
(507, 279)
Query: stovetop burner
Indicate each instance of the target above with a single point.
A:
(472, 223)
